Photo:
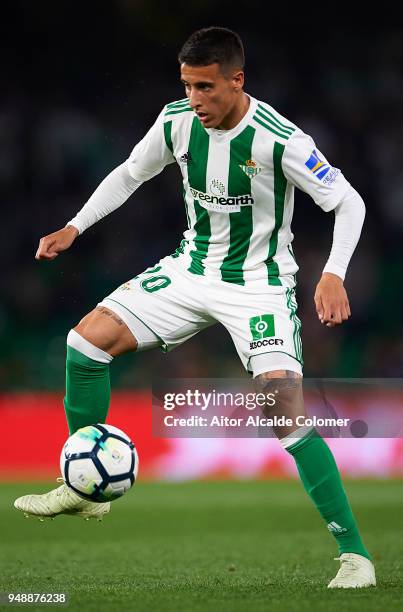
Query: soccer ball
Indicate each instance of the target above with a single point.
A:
(99, 462)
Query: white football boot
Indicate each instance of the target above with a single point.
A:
(355, 572)
(61, 500)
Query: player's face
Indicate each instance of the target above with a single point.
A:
(212, 95)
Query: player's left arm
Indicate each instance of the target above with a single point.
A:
(306, 167)
(331, 301)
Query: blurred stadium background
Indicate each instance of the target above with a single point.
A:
(79, 88)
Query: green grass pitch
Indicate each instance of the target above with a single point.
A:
(236, 546)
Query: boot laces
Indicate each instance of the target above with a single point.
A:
(347, 565)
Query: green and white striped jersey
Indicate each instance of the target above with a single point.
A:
(238, 188)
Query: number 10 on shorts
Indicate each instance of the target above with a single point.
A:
(262, 326)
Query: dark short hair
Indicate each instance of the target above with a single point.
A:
(213, 45)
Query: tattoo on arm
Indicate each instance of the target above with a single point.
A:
(110, 314)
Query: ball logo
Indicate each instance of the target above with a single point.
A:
(116, 455)
(262, 326)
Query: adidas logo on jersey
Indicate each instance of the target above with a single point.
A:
(185, 158)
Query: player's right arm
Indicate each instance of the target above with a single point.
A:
(53, 244)
(148, 158)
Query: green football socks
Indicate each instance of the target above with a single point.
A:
(88, 390)
(321, 479)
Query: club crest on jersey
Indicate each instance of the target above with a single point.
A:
(250, 168)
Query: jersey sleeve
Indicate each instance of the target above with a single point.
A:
(306, 168)
(150, 156)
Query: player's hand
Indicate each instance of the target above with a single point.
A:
(331, 300)
(50, 246)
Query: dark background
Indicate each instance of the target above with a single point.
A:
(83, 82)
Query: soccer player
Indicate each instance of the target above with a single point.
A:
(240, 160)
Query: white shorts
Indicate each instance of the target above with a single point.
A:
(176, 304)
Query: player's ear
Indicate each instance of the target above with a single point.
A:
(238, 79)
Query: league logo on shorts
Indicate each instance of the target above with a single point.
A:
(262, 326)
(125, 287)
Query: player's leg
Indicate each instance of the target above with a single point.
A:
(315, 462)
(266, 333)
(91, 345)
(124, 322)
(99, 337)
(158, 308)
(319, 475)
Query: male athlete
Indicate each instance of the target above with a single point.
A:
(240, 160)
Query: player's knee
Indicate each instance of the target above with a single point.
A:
(106, 331)
(283, 388)
(86, 348)
(275, 378)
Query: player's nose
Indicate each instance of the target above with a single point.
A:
(194, 101)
